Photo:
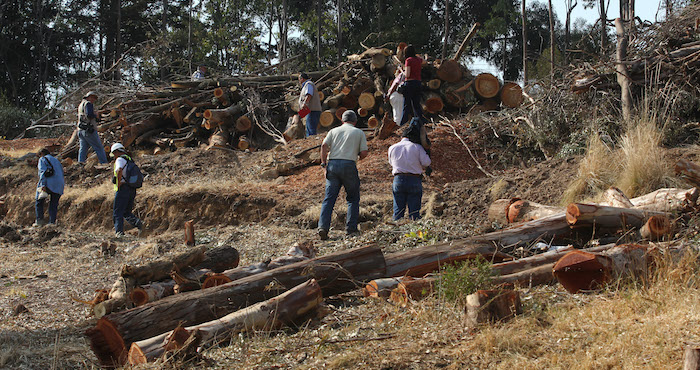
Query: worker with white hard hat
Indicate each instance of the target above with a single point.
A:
(125, 194)
(87, 129)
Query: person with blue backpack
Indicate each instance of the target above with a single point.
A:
(50, 186)
(127, 178)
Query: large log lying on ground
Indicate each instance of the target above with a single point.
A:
(336, 273)
(546, 228)
(518, 210)
(420, 261)
(691, 357)
(271, 314)
(667, 200)
(595, 215)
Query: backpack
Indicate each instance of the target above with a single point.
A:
(132, 174)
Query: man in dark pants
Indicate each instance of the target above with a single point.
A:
(124, 194)
(51, 184)
(339, 153)
(309, 98)
(408, 159)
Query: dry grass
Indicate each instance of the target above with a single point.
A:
(596, 172)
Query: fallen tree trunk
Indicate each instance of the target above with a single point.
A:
(518, 210)
(381, 288)
(511, 95)
(691, 357)
(336, 273)
(271, 314)
(152, 292)
(614, 197)
(546, 228)
(594, 215)
(222, 115)
(668, 200)
(420, 261)
(160, 269)
(689, 171)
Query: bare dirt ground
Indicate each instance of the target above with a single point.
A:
(52, 270)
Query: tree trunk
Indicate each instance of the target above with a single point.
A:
(656, 228)
(547, 228)
(152, 292)
(337, 273)
(318, 34)
(551, 43)
(219, 139)
(222, 115)
(511, 95)
(689, 171)
(528, 263)
(446, 38)
(603, 17)
(133, 131)
(366, 100)
(490, 306)
(614, 197)
(189, 233)
(420, 261)
(269, 315)
(523, 17)
(161, 268)
(433, 102)
(340, 31)
(623, 78)
(486, 85)
(667, 200)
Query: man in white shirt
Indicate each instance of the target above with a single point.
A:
(339, 153)
(124, 195)
(408, 160)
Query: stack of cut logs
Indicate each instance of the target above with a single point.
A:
(216, 300)
(253, 111)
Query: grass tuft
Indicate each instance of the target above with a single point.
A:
(596, 171)
(644, 166)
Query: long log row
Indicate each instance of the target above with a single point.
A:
(283, 309)
(336, 273)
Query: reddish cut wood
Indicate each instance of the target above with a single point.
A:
(488, 306)
(381, 288)
(486, 85)
(511, 95)
(189, 233)
(656, 228)
(336, 273)
(268, 315)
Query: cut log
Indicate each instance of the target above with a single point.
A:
(118, 297)
(511, 95)
(361, 85)
(176, 113)
(160, 269)
(381, 288)
(243, 124)
(373, 122)
(243, 143)
(486, 85)
(295, 128)
(387, 127)
(548, 228)
(235, 274)
(336, 273)
(349, 101)
(189, 233)
(412, 290)
(689, 171)
(490, 306)
(378, 62)
(152, 292)
(191, 115)
(527, 263)
(594, 215)
(614, 197)
(420, 261)
(131, 132)
(366, 100)
(450, 70)
(222, 115)
(219, 139)
(691, 357)
(656, 228)
(271, 314)
(327, 118)
(220, 259)
(433, 103)
(522, 211)
(339, 113)
(434, 84)
(579, 270)
(362, 112)
(670, 200)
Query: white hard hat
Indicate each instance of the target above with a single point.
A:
(117, 146)
(89, 94)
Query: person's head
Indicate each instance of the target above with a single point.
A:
(91, 96)
(412, 132)
(410, 51)
(117, 150)
(43, 151)
(350, 117)
(303, 77)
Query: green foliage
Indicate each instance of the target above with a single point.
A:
(458, 281)
(13, 120)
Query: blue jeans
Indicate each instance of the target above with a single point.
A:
(312, 120)
(408, 191)
(411, 103)
(53, 206)
(88, 140)
(123, 204)
(341, 172)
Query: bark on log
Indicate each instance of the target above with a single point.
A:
(335, 101)
(434, 84)
(131, 132)
(373, 122)
(271, 314)
(593, 215)
(362, 112)
(161, 268)
(336, 273)
(614, 197)
(511, 95)
(527, 263)
(433, 103)
(517, 210)
(386, 128)
(489, 306)
(546, 228)
(222, 115)
(189, 233)
(381, 288)
(580, 270)
(243, 143)
(412, 290)
(420, 261)
(152, 292)
(670, 200)
(243, 124)
(219, 139)
(689, 171)
(177, 115)
(191, 115)
(491, 104)
(486, 85)
(349, 101)
(691, 357)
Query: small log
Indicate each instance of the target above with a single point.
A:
(219, 139)
(327, 118)
(177, 115)
(511, 95)
(189, 233)
(614, 197)
(243, 124)
(486, 85)
(360, 86)
(160, 269)
(691, 355)
(222, 115)
(594, 215)
(434, 84)
(362, 112)
(490, 306)
(336, 273)
(378, 62)
(366, 100)
(546, 228)
(191, 115)
(381, 288)
(668, 200)
(152, 292)
(522, 211)
(412, 290)
(349, 101)
(656, 228)
(243, 143)
(339, 113)
(527, 263)
(295, 128)
(387, 127)
(271, 314)
(133, 131)
(580, 270)
(118, 297)
(373, 122)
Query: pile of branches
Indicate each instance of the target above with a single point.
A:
(659, 54)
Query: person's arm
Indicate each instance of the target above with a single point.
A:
(363, 146)
(408, 70)
(120, 179)
(324, 154)
(90, 110)
(42, 169)
(424, 158)
(363, 154)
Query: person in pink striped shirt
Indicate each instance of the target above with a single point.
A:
(408, 160)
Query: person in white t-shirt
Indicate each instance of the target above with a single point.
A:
(124, 195)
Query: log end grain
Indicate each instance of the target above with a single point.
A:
(578, 271)
(486, 85)
(107, 344)
(138, 296)
(215, 280)
(511, 95)
(327, 118)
